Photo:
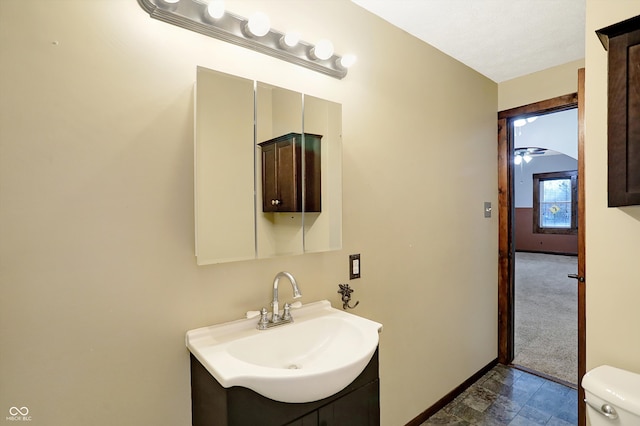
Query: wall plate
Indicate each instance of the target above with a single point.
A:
(487, 209)
(354, 266)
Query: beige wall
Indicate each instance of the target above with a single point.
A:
(98, 275)
(613, 234)
(539, 86)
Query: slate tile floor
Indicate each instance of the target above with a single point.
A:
(507, 396)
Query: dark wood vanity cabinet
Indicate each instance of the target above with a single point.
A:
(358, 408)
(356, 405)
(284, 177)
(622, 40)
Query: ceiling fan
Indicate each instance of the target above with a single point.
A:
(526, 154)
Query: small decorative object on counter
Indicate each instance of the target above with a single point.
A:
(346, 291)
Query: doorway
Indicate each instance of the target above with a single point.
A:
(506, 248)
(546, 244)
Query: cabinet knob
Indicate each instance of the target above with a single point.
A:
(275, 202)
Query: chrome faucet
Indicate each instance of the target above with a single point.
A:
(264, 323)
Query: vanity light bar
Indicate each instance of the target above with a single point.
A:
(193, 15)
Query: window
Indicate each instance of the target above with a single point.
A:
(555, 202)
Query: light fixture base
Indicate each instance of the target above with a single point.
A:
(191, 15)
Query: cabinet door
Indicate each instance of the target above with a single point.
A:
(310, 419)
(269, 178)
(359, 408)
(286, 164)
(622, 40)
(312, 176)
(624, 126)
(279, 174)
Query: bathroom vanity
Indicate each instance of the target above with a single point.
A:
(356, 405)
(319, 369)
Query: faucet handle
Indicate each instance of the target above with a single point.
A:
(264, 320)
(286, 313)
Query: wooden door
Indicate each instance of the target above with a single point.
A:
(582, 265)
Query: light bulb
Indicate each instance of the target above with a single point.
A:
(348, 60)
(292, 38)
(171, 1)
(259, 24)
(517, 159)
(520, 122)
(323, 49)
(527, 158)
(215, 9)
(531, 119)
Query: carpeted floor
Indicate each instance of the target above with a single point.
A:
(546, 335)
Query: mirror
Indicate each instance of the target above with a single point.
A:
(323, 231)
(232, 221)
(278, 112)
(224, 168)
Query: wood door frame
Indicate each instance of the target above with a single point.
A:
(506, 213)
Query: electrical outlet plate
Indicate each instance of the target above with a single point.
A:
(354, 266)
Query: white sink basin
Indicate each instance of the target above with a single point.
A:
(314, 357)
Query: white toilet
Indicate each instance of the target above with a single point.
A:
(612, 396)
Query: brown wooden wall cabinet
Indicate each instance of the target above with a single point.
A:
(622, 40)
(283, 177)
(212, 405)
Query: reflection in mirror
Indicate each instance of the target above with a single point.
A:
(224, 168)
(278, 113)
(323, 231)
(231, 222)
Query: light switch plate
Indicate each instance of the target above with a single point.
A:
(354, 266)
(487, 209)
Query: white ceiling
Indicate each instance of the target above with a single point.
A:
(557, 132)
(501, 39)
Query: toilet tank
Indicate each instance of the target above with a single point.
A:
(612, 396)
